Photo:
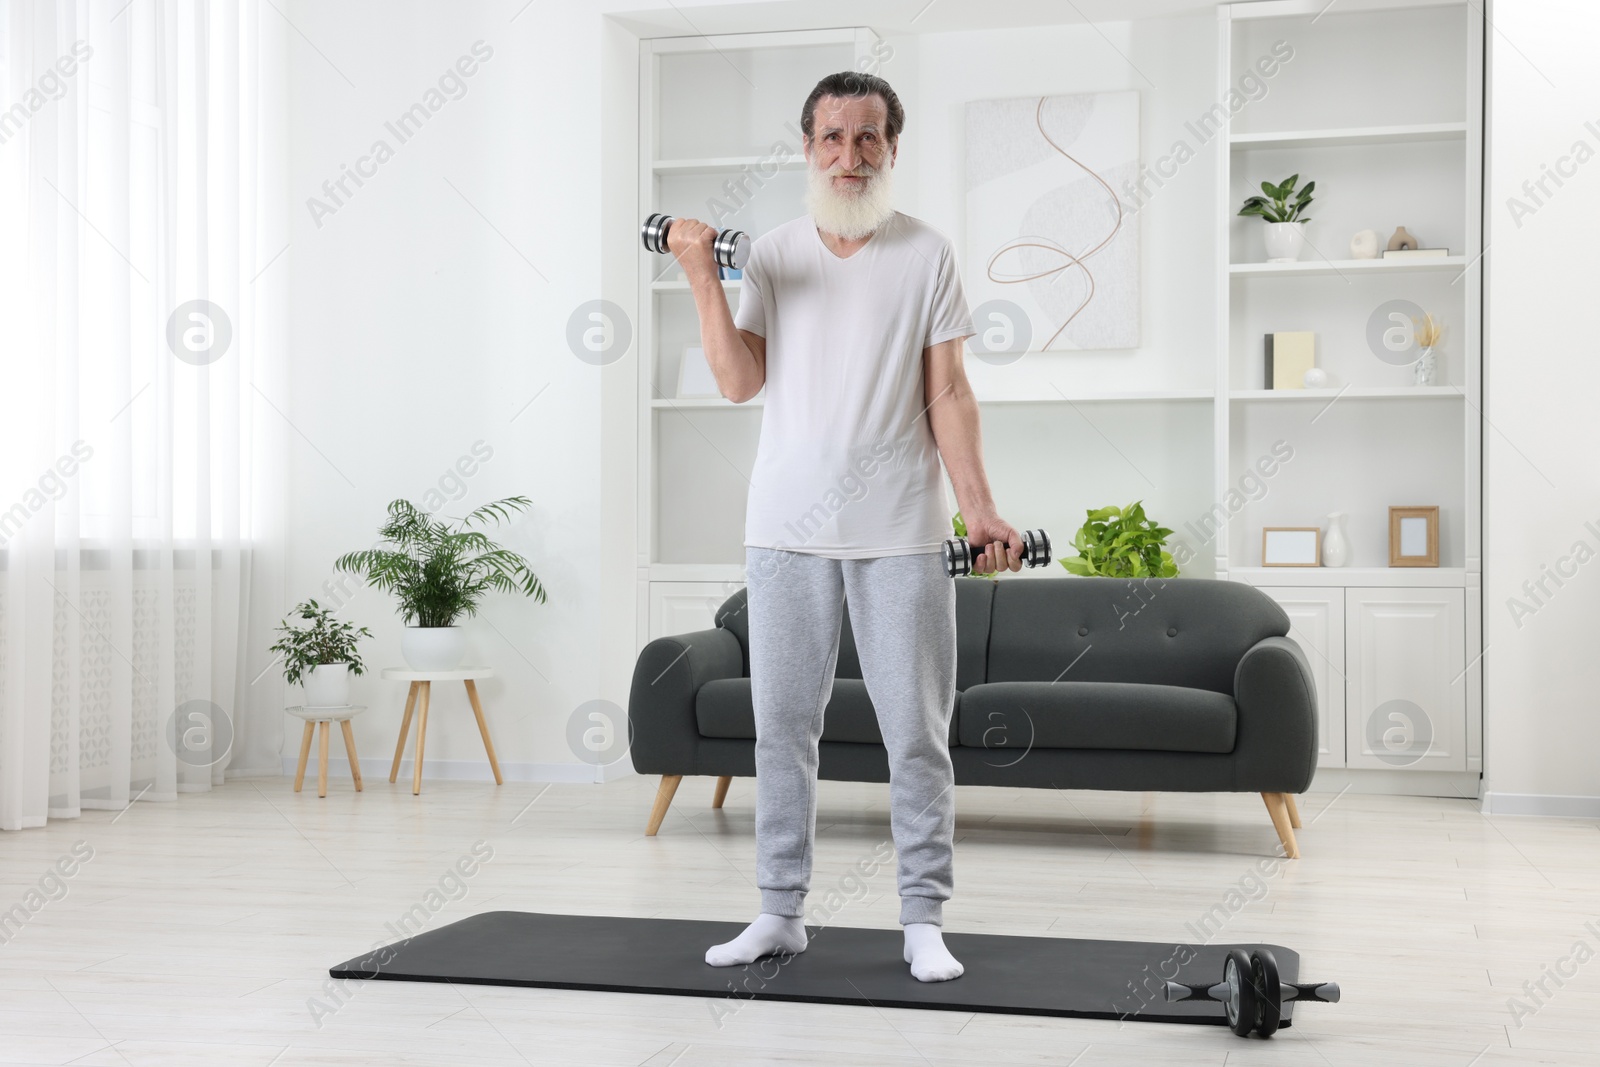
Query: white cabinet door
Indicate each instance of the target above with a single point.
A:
(1407, 699)
(1316, 619)
(684, 607)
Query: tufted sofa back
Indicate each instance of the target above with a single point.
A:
(1165, 631)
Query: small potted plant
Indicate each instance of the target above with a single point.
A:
(1121, 543)
(1282, 208)
(322, 656)
(440, 573)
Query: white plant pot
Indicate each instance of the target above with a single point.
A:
(327, 685)
(1284, 241)
(433, 648)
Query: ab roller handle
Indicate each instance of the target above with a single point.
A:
(959, 553)
(730, 249)
(1252, 997)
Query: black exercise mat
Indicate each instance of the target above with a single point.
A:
(841, 965)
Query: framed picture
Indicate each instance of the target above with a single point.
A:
(1414, 536)
(694, 374)
(1291, 546)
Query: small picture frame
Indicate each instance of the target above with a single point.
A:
(1291, 546)
(695, 379)
(1414, 536)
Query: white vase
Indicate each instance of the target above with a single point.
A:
(1284, 241)
(327, 685)
(433, 648)
(1422, 370)
(1335, 548)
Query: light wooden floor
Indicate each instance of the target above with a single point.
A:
(200, 931)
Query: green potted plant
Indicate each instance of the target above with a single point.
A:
(1121, 543)
(320, 657)
(1282, 209)
(439, 572)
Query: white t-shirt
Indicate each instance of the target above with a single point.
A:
(847, 466)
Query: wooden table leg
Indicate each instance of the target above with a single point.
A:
(422, 732)
(405, 728)
(322, 760)
(483, 728)
(305, 753)
(350, 750)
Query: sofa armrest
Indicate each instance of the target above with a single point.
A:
(1275, 748)
(664, 734)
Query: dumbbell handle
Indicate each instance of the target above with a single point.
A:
(731, 248)
(960, 553)
(1322, 992)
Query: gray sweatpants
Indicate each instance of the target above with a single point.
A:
(902, 612)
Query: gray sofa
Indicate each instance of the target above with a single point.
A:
(1183, 684)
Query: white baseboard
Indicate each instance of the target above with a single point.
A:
(1461, 785)
(1495, 803)
(376, 767)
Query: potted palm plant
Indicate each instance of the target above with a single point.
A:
(322, 656)
(440, 572)
(1281, 207)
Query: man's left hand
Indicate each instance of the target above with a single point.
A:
(1000, 542)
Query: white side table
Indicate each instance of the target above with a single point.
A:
(326, 715)
(421, 683)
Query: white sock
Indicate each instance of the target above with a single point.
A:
(930, 960)
(767, 935)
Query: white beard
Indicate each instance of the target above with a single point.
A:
(850, 217)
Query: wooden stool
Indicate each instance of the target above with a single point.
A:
(421, 684)
(326, 716)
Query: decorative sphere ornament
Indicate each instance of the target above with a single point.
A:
(1316, 378)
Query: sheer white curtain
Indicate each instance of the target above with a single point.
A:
(142, 281)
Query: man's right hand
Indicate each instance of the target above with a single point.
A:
(690, 240)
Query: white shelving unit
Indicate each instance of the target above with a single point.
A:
(1373, 633)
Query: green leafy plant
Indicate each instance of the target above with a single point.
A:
(1121, 543)
(1276, 205)
(441, 571)
(323, 642)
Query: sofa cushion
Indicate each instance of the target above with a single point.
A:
(1016, 716)
(722, 708)
(1168, 631)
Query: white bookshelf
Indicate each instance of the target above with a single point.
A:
(1382, 107)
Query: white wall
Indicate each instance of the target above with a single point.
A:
(429, 311)
(1542, 484)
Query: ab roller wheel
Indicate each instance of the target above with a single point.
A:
(730, 249)
(959, 553)
(1251, 994)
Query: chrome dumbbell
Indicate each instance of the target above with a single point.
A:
(959, 553)
(730, 249)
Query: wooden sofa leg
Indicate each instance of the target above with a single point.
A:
(722, 790)
(1278, 808)
(1294, 811)
(664, 792)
